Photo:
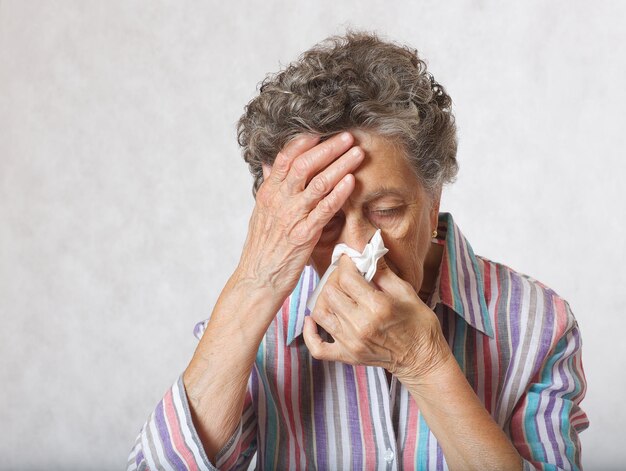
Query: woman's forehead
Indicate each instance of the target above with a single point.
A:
(385, 171)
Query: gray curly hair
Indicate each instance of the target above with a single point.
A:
(348, 82)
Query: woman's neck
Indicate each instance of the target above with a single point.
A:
(431, 271)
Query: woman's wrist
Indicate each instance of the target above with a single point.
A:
(460, 421)
(239, 320)
(427, 356)
(275, 281)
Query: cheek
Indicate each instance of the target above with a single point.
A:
(404, 229)
(408, 242)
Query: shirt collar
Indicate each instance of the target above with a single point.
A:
(459, 285)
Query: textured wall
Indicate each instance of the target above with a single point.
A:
(124, 202)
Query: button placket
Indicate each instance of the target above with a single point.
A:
(388, 454)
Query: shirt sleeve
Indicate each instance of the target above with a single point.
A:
(169, 440)
(547, 420)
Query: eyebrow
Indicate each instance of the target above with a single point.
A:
(384, 192)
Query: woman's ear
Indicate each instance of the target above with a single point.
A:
(266, 171)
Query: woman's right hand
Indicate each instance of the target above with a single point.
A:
(308, 183)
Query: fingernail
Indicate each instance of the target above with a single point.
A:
(355, 151)
(343, 182)
(345, 136)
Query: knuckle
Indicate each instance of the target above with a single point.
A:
(329, 321)
(264, 195)
(365, 331)
(314, 349)
(281, 162)
(407, 288)
(322, 151)
(359, 350)
(302, 167)
(316, 314)
(381, 304)
(343, 277)
(299, 236)
(326, 206)
(328, 147)
(320, 185)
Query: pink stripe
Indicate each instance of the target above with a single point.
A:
(561, 318)
(178, 441)
(412, 425)
(301, 460)
(232, 459)
(288, 390)
(518, 432)
(366, 419)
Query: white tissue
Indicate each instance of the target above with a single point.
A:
(365, 262)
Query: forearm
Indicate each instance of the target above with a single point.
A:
(217, 376)
(290, 214)
(468, 435)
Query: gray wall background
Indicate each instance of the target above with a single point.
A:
(124, 202)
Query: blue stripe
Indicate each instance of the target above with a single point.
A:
(271, 435)
(421, 457)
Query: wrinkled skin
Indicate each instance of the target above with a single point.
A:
(384, 323)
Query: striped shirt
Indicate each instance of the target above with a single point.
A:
(515, 339)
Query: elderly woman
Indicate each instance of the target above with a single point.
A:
(443, 360)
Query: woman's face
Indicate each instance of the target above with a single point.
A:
(388, 196)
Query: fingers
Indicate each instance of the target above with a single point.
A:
(327, 319)
(325, 181)
(391, 283)
(314, 160)
(326, 167)
(319, 349)
(330, 204)
(351, 281)
(293, 149)
(339, 302)
(382, 264)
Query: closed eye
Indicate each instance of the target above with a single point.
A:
(386, 212)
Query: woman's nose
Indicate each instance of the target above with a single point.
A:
(356, 233)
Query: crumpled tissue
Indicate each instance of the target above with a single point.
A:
(365, 262)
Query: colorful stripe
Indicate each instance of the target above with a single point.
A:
(516, 340)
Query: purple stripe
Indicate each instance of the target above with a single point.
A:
(171, 455)
(439, 458)
(254, 391)
(462, 256)
(254, 382)
(549, 427)
(354, 421)
(514, 313)
(313, 280)
(317, 377)
(550, 396)
(545, 342)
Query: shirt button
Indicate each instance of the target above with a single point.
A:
(389, 455)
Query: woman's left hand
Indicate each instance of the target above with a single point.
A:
(383, 324)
